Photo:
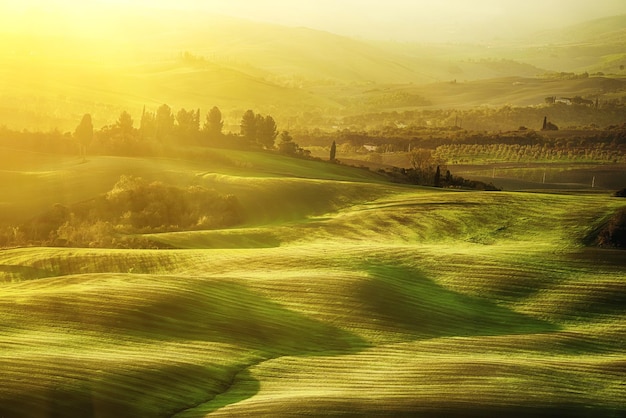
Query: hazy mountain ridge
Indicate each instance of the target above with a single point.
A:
(604, 30)
(290, 50)
(201, 60)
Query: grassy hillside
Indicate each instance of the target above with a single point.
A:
(595, 45)
(341, 295)
(34, 182)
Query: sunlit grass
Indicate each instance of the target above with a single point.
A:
(337, 293)
(340, 294)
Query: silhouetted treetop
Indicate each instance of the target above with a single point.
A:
(248, 126)
(214, 124)
(164, 122)
(266, 131)
(84, 134)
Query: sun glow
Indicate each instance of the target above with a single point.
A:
(65, 58)
(393, 19)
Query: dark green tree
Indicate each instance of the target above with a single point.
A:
(147, 125)
(248, 126)
(164, 123)
(120, 138)
(286, 144)
(125, 123)
(214, 124)
(84, 134)
(266, 131)
(333, 151)
(188, 125)
(438, 177)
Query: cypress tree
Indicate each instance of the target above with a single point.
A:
(249, 127)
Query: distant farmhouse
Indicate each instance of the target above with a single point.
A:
(570, 101)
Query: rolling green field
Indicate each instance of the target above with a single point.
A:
(339, 295)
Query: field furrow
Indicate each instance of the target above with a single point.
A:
(373, 300)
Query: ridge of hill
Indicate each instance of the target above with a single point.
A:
(607, 30)
(34, 182)
(593, 46)
(196, 60)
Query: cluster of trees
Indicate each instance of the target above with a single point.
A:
(436, 179)
(287, 146)
(139, 206)
(459, 145)
(258, 130)
(53, 142)
(566, 75)
(484, 118)
(428, 170)
(163, 127)
(133, 206)
(156, 129)
(159, 133)
(425, 168)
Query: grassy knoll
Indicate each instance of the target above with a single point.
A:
(33, 182)
(339, 295)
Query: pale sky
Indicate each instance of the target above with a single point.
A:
(376, 19)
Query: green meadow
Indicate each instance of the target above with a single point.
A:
(339, 294)
(159, 275)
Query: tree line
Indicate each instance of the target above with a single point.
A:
(428, 169)
(158, 132)
(164, 127)
(485, 118)
(606, 145)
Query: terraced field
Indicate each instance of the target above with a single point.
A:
(341, 295)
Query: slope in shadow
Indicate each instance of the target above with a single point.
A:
(403, 298)
(149, 309)
(10, 273)
(166, 308)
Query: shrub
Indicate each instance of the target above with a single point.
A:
(133, 206)
(620, 193)
(613, 234)
(139, 206)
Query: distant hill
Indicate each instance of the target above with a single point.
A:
(196, 60)
(596, 45)
(603, 31)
